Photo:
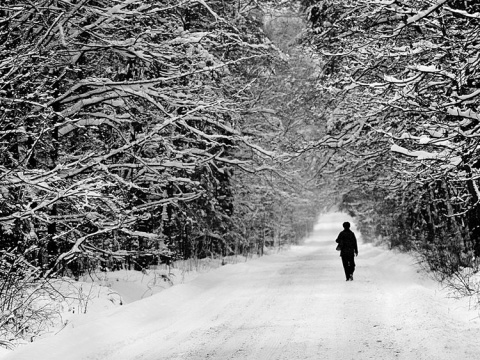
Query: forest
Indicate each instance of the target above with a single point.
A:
(135, 133)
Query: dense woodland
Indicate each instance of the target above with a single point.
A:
(132, 127)
(406, 75)
(135, 132)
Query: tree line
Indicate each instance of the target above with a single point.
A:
(406, 120)
(132, 127)
(138, 130)
(163, 130)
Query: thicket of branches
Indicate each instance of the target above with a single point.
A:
(131, 131)
(406, 118)
(149, 131)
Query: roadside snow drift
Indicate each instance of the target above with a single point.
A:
(291, 305)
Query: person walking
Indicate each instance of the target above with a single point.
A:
(348, 250)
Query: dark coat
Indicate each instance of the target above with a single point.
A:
(348, 243)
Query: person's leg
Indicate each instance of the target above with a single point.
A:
(346, 267)
(351, 266)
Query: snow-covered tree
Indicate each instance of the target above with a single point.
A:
(114, 114)
(406, 79)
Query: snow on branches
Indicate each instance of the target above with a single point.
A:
(407, 72)
(114, 115)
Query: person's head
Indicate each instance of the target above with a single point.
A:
(346, 225)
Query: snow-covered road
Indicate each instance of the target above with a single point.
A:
(291, 305)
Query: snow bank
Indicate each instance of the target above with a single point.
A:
(294, 304)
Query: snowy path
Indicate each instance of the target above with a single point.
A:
(292, 305)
